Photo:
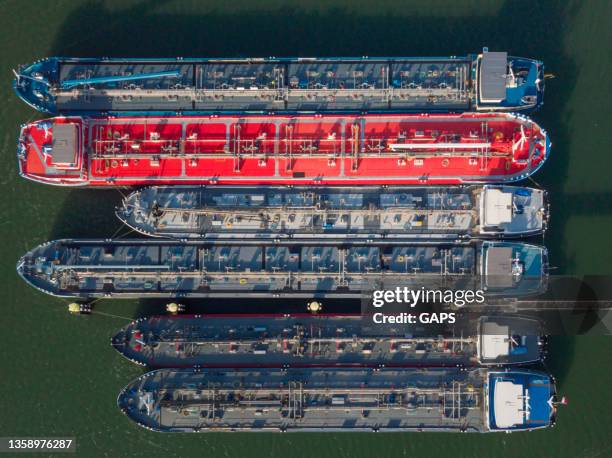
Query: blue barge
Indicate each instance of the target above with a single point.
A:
(489, 81)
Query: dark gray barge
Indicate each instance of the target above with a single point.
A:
(322, 340)
(242, 268)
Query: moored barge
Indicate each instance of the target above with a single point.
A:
(379, 400)
(205, 212)
(487, 81)
(260, 268)
(322, 340)
(372, 149)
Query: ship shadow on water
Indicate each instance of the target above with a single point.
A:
(522, 27)
(89, 213)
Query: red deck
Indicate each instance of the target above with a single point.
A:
(330, 149)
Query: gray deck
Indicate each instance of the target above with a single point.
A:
(65, 144)
(307, 400)
(499, 267)
(493, 71)
(306, 85)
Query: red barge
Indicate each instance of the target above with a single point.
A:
(282, 150)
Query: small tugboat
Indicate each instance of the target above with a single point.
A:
(317, 399)
(263, 268)
(203, 212)
(350, 150)
(490, 81)
(321, 340)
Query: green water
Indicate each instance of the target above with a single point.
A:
(59, 376)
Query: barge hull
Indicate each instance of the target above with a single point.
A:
(321, 268)
(407, 212)
(283, 341)
(342, 84)
(340, 400)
